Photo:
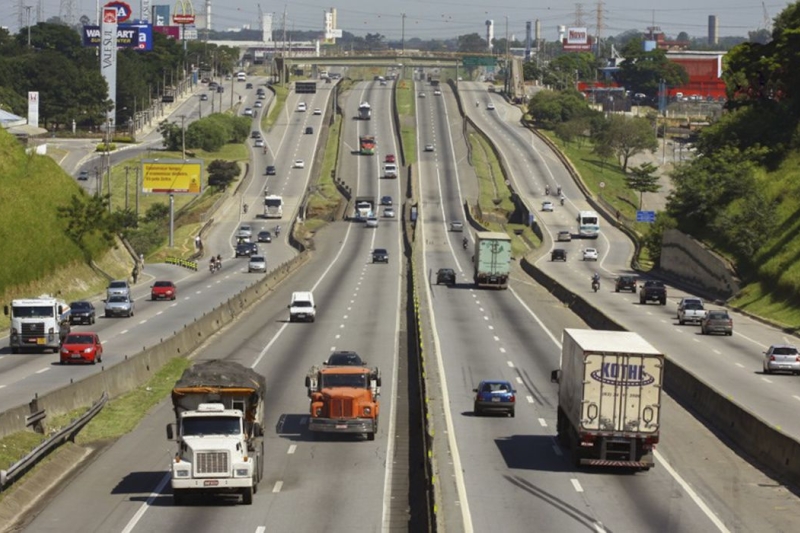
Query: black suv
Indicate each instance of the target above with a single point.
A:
(344, 358)
(446, 276)
(380, 255)
(246, 249)
(270, 170)
(653, 291)
(81, 313)
(558, 254)
(625, 283)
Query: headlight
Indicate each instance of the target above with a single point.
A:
(88, 350)
(367, 411)
(181, 473)
(241, 472)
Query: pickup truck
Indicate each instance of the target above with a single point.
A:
(691, 310)
(653, 290)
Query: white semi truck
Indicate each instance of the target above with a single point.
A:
(609, 398)
(219, 408)
(364, 111)
(37, 324)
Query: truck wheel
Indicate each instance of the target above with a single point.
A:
(370, 436)
(14, 349)
(663, 301)
(247, 496)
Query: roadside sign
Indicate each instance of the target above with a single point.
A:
(123, 10)
(646, 216)
(478, 61)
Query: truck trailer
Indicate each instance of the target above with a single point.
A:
(38, 324)
(492, 259)
(219, 408)
(609, 398)
(366, 144)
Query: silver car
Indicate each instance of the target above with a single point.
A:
(781, 358)
(372, 222)
(245, 230)
(456, 225)
(258, 263)
(119, 305)
(118, 287)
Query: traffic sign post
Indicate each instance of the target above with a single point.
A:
(646, 216)
(470, 62)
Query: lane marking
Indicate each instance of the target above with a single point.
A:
(42, 370)
(740, 365)
(543, 422)
(291, 449)
(530, 399)
(576, 484)
(767, 380)
(123, 332)
(717, 352)
(278, 486)
(145, 505)
(261, 529)
(519, 380)
(142, 321)
(496, 338)
(793, 396)
(557, 450)
(502, 350)
(510, 364)
(491, 328)
(2, 386)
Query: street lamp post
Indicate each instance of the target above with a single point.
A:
(183, 136)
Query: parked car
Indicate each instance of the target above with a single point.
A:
(456, 225)
(547, 205)
(564, 236)
(717, 321)
(625, 283)
(264, 236)
(380, 255)
(257, 263)
(119, 305)
(494, 396)
(558, 254)
(781, 358)
(271, 170)
(590, 254)
(82, 312)
(82, 347)
(246, 249)
(344, 358)
(118, 287)
(446, 276)
(163, 290)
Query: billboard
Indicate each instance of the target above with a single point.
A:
(124, 11)
(33, 108)
(577, 40)
(108, 57)
(173, 32)
(160, 15)
(173, 176)
(136, 36)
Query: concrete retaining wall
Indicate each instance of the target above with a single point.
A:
(767, 445)
(693, 264)
(136, 370)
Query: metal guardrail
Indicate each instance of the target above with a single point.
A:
(7, 477)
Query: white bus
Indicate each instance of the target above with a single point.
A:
(273, 206)
(588, 224)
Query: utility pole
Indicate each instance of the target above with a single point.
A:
(403, 34)
(508, 64)
(183, 137)
(136, 175)
(127, 171)
(599, 28)
(28, 14)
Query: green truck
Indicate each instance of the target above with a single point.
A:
(492, 259)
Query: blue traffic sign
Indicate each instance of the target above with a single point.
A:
(645, 216)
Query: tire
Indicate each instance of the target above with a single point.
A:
(511, 413)
(663, 301)
(766, 370)
(91, 320)
(476, 410)
(247, 496)
(370, 436)
(14, 349)
(108, 315)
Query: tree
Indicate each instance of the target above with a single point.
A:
(572, 129)
(472, 43)
(641, 72)
(551, 107)
(625, 137)
(643, 179)
(221, 173)
(86, 215)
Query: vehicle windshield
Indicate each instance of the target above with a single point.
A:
(163, 284)
(301, 303)
(270, 202)
(693, 306)
(80, 306)
(358, 381)
(211, 425)
(33, 311)
(117, 299)
(78, 339)
(256, 259)
(717, 315)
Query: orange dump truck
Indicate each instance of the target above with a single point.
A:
(344, 399)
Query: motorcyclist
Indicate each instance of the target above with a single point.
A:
(244, 207)
(562, 199)
(595, 281)
(219, 261)
(547, 190)
(212, 266)
(464, 242)
(277, 230)
(559, 190)
(477, 104)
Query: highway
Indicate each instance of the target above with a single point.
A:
(347, 481)
(512, 467)
(23, 375)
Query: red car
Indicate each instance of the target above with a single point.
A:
(81, 348)
(163, 290)
(390, 158)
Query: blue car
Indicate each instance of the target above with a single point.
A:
(495, 396)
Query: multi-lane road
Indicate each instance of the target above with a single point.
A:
(509, 473)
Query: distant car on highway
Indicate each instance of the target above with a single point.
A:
(388, 212)
(317, 111)
(380, 255)
(456, 225)
(429, 148)
(494, 396)
(204, 98)
(421, 95)
(259, 143)
(717, 321)
(446, 276)
(246, 249)
(248, 85)
(490, 106)
(248, 111)
(390, 158)
(82, 312)
(386, 200)
(270, 170)
(257, 263)
(781, 358)
(547, 205)
(625, 283)
(118, 287)
(245, 230)
(163, 290)
(437, 92)
(119, 305)
(264, 236)
(344, 358)
(299, 163)
(309, 130)
(372, 222)
(82, 347)
(258, 104)
(558, 254)
(590, 254)
(564, 236)
(83, 175)
(301, 107)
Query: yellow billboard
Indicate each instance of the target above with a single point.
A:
(173, 176)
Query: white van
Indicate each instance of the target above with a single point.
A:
(302, 307)
(241, 76)
(389, 170)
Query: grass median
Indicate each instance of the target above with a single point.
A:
(281, 93)
(406, 108)
(325, 198)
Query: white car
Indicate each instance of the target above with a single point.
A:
(547, 206)
(388, 212)
(422, 95)
(429, 148)
(258, 104)
(456, 225)
(590, 254)
(245, 230)
(372, 222)
(317, 111)
(299, 163)
(490, 106)
(248, 112)
(437, 92)
(301, 107)
(260, 143)
(257, 263)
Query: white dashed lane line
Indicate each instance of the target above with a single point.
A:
(740, 365)
(576, 484)
(278, 486)
(502, 350)
(40, 371)
(543, 422)
(767, 380)
(510, 364)
(292, 449)
(519, 380)
(795, 397)
(491, 328)
(123, 332)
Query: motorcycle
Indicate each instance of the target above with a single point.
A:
(547, 191)
(277, 230)
(212, 266)
(562, 200)
(595, 285)
(464, 243)
(244, 207)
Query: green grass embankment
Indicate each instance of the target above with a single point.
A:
(325, 198)
(406, 109)
(281, 93)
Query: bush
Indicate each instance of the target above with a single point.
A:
(102, 147)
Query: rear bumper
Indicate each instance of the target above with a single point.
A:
(350, 425)
(213, 484)
(625, 464)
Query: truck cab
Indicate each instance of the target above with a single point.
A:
(344, 399)
(38, 323)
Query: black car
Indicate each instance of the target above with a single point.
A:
(246, 249)
(81, 313)
(446, 276)
(264, 236)
(270, 170)
(248, 86)
(625, 283)
(344, 358)
(558, 254)
(386, 200)
(255, 134)
(380, 255)
(83, 175)
(309, 130)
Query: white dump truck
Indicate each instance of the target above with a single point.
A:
(219, 408)
(609, 398)
(37, 324)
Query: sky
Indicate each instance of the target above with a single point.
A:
(429, 19)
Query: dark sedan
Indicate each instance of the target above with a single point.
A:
(625, 283)
(558, 254)
(246, 249)
(82, 313)
(344, 358)
(446, 276)
(380, 255)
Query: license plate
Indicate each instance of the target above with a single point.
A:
(75, 356)
(210, 483)
(495, 399)
(39, 341)
(341, 426)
